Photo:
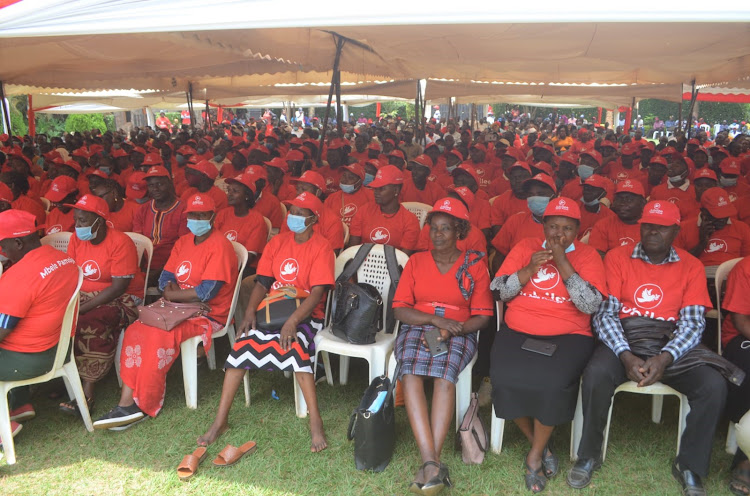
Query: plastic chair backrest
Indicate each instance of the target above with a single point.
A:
(69, 321)
(47, 204)
(241, 253)
(492, 200)
(346, 233)
(143, 245)
(283, 210)
(585, 238)
(721, 275)
(58, 240)
(419, 209)
(269, 226)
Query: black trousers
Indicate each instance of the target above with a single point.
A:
(704, 386)
(738, 401)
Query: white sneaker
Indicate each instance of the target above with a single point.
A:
(485, 392)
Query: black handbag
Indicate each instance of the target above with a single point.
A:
(374, 432)
(357, 311)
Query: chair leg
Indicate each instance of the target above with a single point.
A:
(377, 368)
(576, 428)
(731, 446)
(300, 405)
(327, 365)
(682, 421)
(6, 433)
(497, 429)
(73, 380)
(343, 369)
(606, 429)
(189, 350)
(117, 357)
(657, 403)
(211, 356)
(246, 383)
(463, 395)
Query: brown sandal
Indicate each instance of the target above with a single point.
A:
(189, 465)
(231, 455)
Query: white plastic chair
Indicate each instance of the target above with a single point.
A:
(346, 233)
(189, 348)
(372, 271)
(419, 209)
(658, 390)
(59, 240)
(585, 238)
(492, 200)
(68, 371)
(47, 204)
(269, 228)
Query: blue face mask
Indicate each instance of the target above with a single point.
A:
(585, 172)
(199, 227)
(348, 188)
(296, 223)
(368, 179)
(85, 233)
(537, 204)
(570, 248)
(106, 170)
(270, 146)
(727, 182)
(451, 168)
(180, 159)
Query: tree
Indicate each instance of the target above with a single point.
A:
(84, 122)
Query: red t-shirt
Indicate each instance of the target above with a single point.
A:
(486, 173)
(348, 205)
(506, 205)
(610, 232)
(543, 307)
(655, 291)
(332, 177)
(574, 190)
(685, 200)
(162, 227)
(400, 230)
(27, 204)
(250, 231)
(37, 290)
(57, 222)
(123, 220)
(270, 206)
(731, 242)
(217, 195)
(303, 265)
(736, 300)
(499, 186)
(116, 256)
(480, 213)
(588, 219)
(475, 240)
(739, 191)
(517, 227)
(422, 284)
(329, 226)
(431, 193)
(617, 172)
(212, 260)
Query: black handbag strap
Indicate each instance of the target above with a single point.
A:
(395, 274)
(355, 262)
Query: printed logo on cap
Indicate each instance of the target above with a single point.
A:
(715, 245)
(622, 175)
(624, 241)
(721, 202)
(183, 271)
(54, 229)
(91, 270)
(231, 235)
(562, 205)
(380, 235)
(348, 210)
(656, 209)
(648, 296)
(289, 269)
(546, 277)
(446, 206)
(55, 188)
(197, 200)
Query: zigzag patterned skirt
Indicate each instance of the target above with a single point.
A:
(259, 350)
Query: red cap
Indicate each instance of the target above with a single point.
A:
(630, 148)
(93, 204)
(431, 144)
(140, 150)
(661, 213)
(61, 187)
(397, 153)
(423, 160)
(541, 178)
(73, 165)
(278, 163)
(119, 152)
(185, 150)
(295, 156)
(452, 207)
(456, 153)
(542, 144)
(718, 149)
(263, 149)
(658, 160)
(336, 143)
(16, 224)
(701, 150)
(297, 141)
(256, 172)
(206, 168)
(608, 144)
(388, 174)
(481, 146)
(544, 167)
(730, 165)
(97, 173)
(200, 203)
(597, 181)
(520, 165)
(6, 195)
(564, 207)
(152, 159)
(593, 154)
(718, 204)
(245, 180)
(311, 177)
(649, 145)
(469, 169)
(136, 187)
(670, 150)
(694, 141)
(465, 193)
(237, 140)
(156, 171)
(81, 152)
(54, 156)
(308, 201)
(516, 153)
(374, 145)
(705, 173)
(356, 169)
(375, 163)
(570, 157)
(630, 186)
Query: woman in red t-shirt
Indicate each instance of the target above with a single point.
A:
(112, 287)
(551, 288)
(445, 290)
(300, 259)
(202, 267)
(240, 223)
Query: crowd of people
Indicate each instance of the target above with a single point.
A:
(596, 244)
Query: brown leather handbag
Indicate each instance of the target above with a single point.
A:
(166, 315)
(472, 437)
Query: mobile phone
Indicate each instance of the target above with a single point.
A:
(539, 346)
(436, 347)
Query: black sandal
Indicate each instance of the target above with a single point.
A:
(439, 482)
(550, 463)
(71, 407)
(738, 483)
(535, 478)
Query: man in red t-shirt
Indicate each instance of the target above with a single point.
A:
(651, 327)
(622, 228)
(352, 194)
(34, 294)
(417, 187)
(678, 190)
(592, 208)
(512, 201)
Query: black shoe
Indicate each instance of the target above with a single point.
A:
(581, 473)
(118, 416)
(690, 481)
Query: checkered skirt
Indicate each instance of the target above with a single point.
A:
(416, 359)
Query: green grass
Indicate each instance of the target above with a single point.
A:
(57, 456)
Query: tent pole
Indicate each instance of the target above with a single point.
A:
(339, 46)
(208, 117)
(339, 111)
(32, 118)
(190, 106)
(6, 111)
(679, 123)
(417, 107)
(693, 98)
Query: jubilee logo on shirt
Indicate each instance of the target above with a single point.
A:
(715, 245)
(183, 271)
(624, 241)
(546, 277)
(289, 269)
(648, 296)
(91, 270)
(380, 235)
(54, 229)
(231, 235)
(348, 210)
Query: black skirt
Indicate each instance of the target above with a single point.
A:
(527, 384)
